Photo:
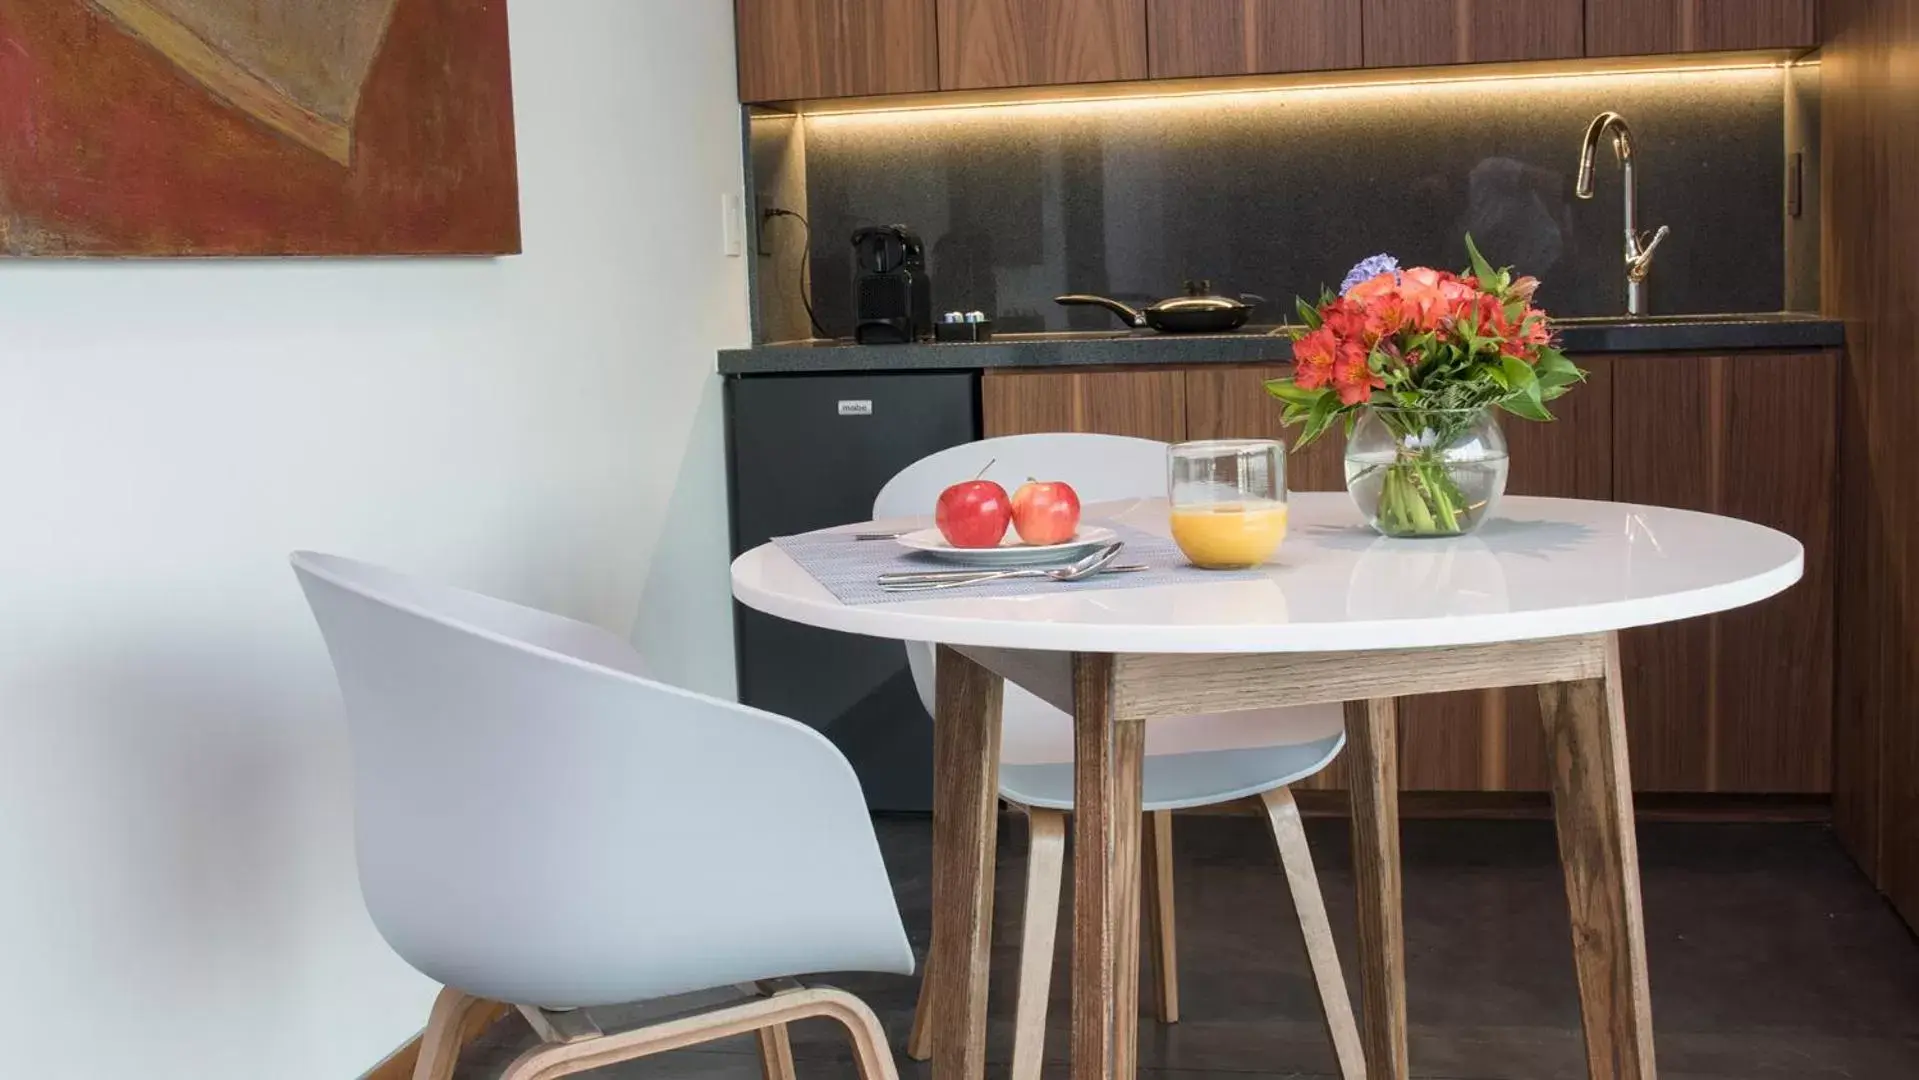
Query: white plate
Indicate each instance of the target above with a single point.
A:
(1011, 551)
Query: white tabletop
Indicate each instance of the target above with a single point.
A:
(1543, 568)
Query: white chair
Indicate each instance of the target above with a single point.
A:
(541, 825)
(1193, 761)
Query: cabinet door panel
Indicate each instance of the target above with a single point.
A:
(798, 49)
(1412, 33)
(1490, 740)
(1248, 37)
(1232, 403)
(1741, 701)
(1148, 404)
(988, 43)
(1637, 27)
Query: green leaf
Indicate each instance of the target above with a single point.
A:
(1308, 314)
(1292, 393)
(1482, 269)
(1518, 373)
(1526, 407)
(1324, 410)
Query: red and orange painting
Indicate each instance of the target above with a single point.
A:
(256, 127)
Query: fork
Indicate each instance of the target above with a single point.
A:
(1084, 567)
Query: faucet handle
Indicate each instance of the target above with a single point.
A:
(1641, 263)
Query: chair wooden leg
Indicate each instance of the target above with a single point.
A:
(776, 1053)
(1317, 930)
(440, 1043)
(1156, 874)
(919, 1044)
(554, 1060)
(1045, 872)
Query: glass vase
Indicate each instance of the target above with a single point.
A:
(1426, 472)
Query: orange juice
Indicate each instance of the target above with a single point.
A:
(1224, 536)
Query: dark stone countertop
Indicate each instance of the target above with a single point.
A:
(1676, 333)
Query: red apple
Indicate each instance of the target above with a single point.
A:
(1046, 512)
(973, 514)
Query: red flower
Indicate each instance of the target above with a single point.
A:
(1313, 359)
(1353, 378)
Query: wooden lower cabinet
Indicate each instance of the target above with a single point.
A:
(1740, 702)
(1147, 403)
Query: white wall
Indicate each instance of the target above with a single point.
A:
(177, 894)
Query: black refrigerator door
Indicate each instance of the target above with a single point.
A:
(806, 452)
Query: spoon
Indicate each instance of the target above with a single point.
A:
(1085, 566)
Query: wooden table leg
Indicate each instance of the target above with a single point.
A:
(966, 733)
(1372, 755)
(1592, 803)
(1108, 757)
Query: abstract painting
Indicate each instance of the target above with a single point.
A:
(256, 127)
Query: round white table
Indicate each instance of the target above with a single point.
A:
(1340, 615)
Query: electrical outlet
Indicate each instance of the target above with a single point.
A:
(732, 221)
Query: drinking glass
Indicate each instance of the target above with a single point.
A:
(1228, 501)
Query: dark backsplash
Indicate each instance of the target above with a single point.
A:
(1279, 192)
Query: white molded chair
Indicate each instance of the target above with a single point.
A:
(1191, 761)
(540, 824)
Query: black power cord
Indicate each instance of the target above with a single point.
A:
(806, 261)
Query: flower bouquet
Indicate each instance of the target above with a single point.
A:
(1416, 362)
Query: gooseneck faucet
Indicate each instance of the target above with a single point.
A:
(1639, 249)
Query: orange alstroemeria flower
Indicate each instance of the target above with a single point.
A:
(1354, 380)
(1313, 359)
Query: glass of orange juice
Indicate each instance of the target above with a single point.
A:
(1228, 501)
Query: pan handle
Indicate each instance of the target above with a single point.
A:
(1132, 316)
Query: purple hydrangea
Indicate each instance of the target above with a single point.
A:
(1369, 269)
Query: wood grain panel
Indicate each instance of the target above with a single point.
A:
(1232, 403)
(1249, 37)
(1871, 280)
(1569, 458)
(988, 43)
(1416, 33)
(798, 49)
(1663, 435)
(1637, 27)
(1741, 701)
(1774, 659)
(1149, 403)
(1488, 740)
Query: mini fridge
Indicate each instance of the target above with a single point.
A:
(805, 452)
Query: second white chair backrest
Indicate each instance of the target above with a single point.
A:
(538, 823)
(1101, 468)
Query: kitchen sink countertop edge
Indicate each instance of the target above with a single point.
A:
(1689, 333)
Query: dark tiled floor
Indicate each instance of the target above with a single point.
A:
(1771, 958)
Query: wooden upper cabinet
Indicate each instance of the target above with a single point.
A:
(1417, 33)
(989, 43)
(1637, 27)
(791, 50)
(1250, 37)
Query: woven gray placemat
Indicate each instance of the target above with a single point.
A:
(850, 568)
